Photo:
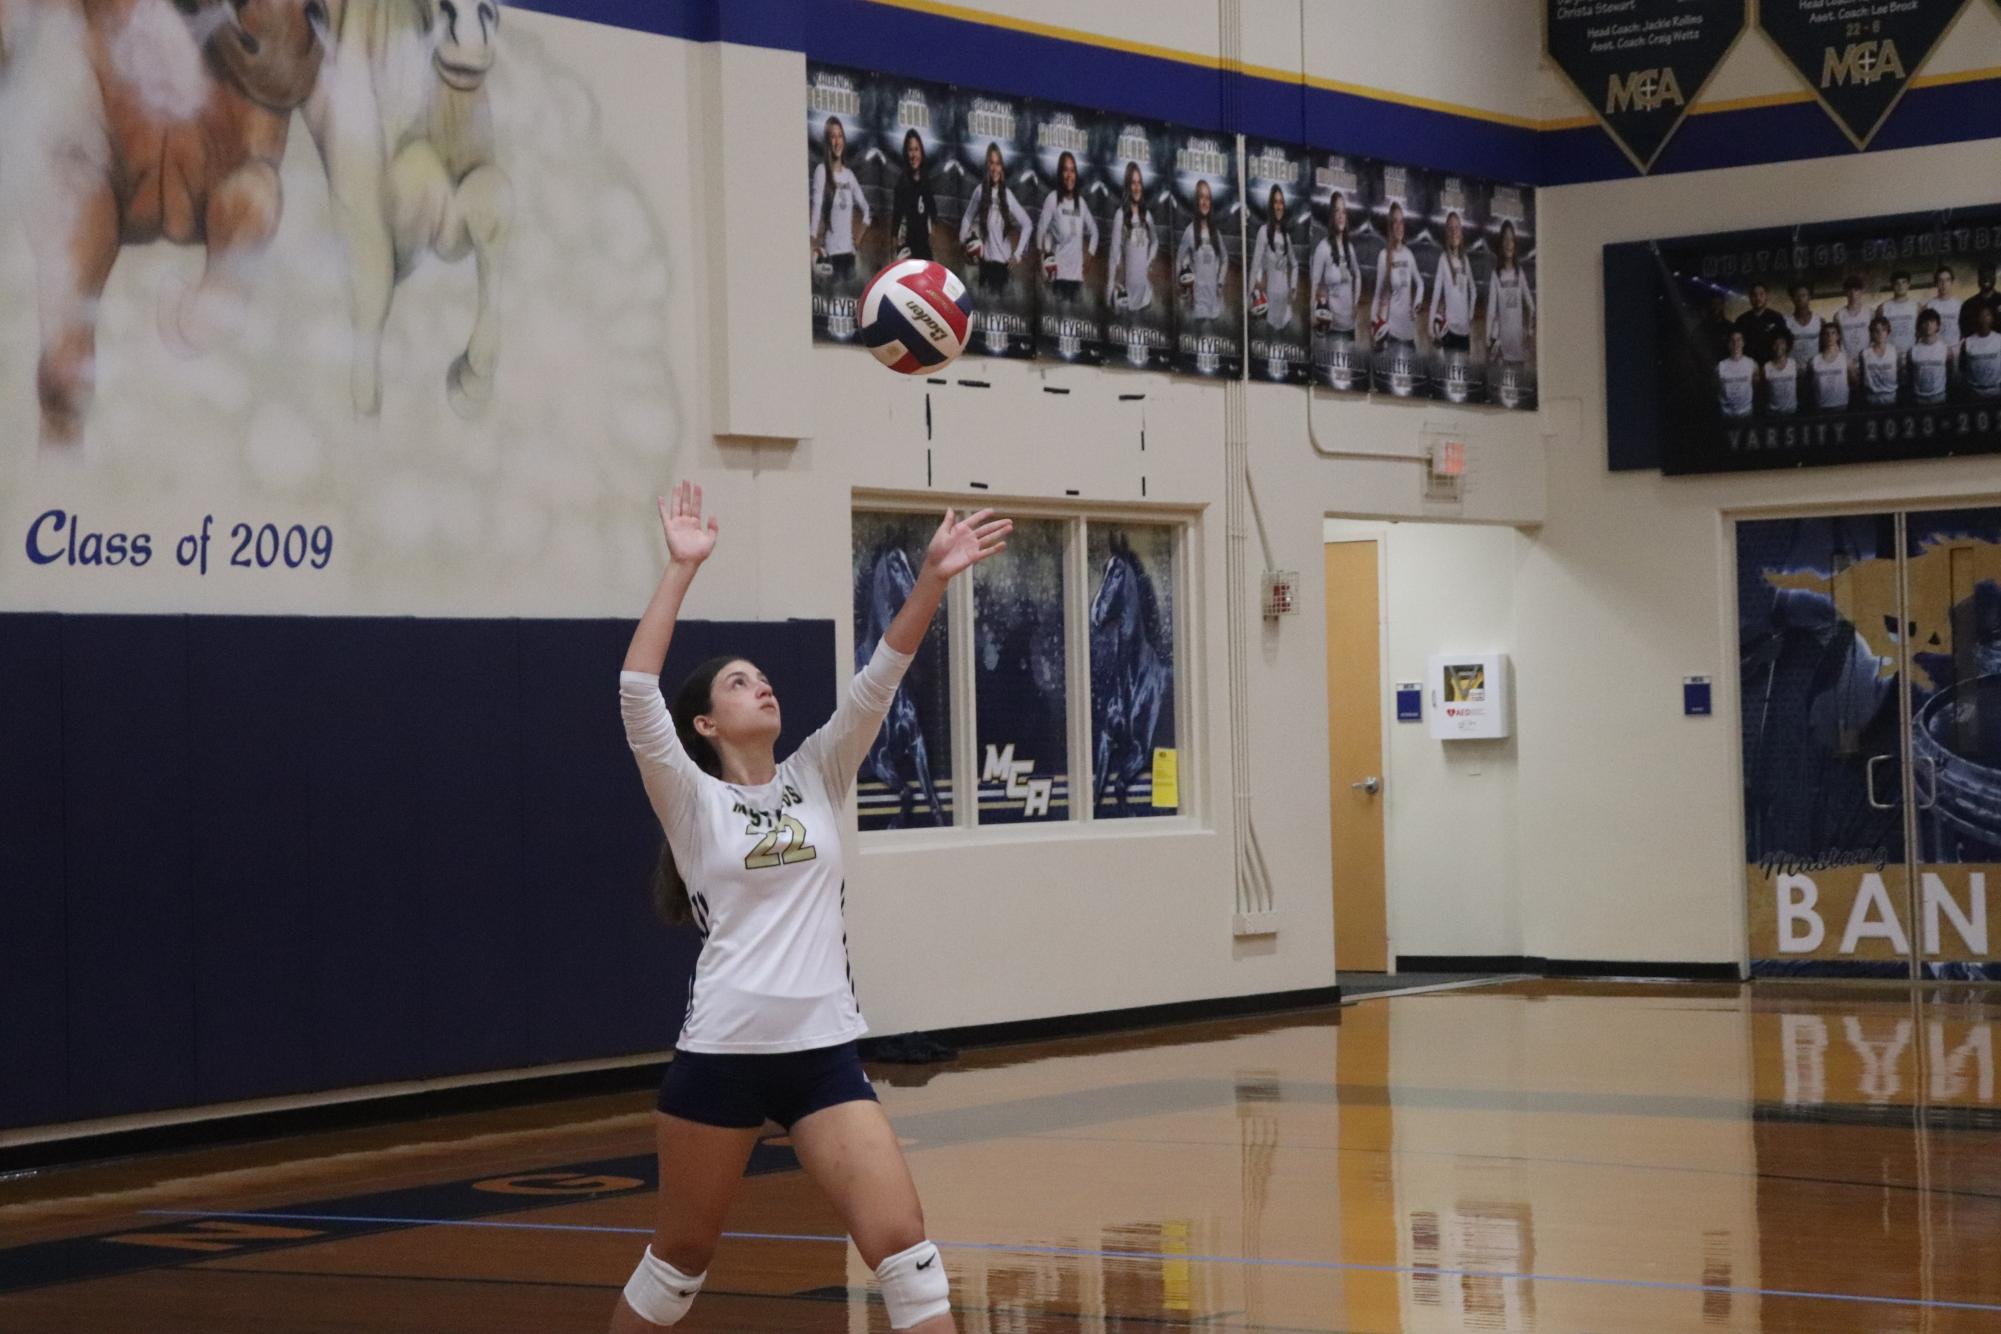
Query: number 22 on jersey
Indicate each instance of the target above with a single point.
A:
(781, 846)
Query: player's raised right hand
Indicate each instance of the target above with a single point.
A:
(688, 542)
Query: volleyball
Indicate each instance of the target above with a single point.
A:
(914, 316)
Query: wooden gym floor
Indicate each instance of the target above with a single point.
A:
(1529, 1156)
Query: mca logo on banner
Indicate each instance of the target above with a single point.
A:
(1640, 65)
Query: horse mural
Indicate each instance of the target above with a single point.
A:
(1131, 675)
(898, 756)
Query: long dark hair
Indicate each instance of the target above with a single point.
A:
(1135, 209)
(987, 185)
(1278, 227)
(695, 697)
(1503, 261)
(1203, 226)
(1337, 237)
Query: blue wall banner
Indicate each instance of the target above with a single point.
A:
(1641, 63)
(1858, 56)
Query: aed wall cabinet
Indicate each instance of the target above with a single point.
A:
(1468, 695)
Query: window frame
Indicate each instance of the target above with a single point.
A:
(1082, 820)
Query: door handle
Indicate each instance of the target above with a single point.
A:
(1870, 773)
(1371, 785)
(1929, 798)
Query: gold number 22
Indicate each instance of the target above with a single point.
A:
(768, 852)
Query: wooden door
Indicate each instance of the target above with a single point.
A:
(1355, 757)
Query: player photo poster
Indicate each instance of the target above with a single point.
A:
(1639, 66)
(1208, 256)
(1397, 304)
(1133, 161)
(1858, 56)
(996, 233)
(906, 180)
(1344, 249)
(1452, 309)
(1508, 306)
(1835, 342)
(839, 216)
(1070, 243)
(1277, 214)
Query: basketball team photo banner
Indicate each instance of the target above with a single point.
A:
(1829, 343)
(1639, 64)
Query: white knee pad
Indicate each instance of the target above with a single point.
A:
(914, 1287)
(660, 1293)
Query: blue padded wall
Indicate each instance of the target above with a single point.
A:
(252, 856)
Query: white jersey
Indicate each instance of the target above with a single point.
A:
(1948, 318)
(1928, 363)
(1830, 380)
(1854, 326)
(1903, 318)
(1510, 312)
(1879, 374)
(1066, 233)
(848, 200)
(1338, 283)
(1399, 294)
(1132, 261)
(1782, 387)
(764, 871)
(1274, 268)
(1980, 363)
(1453, 295)
(991, 224)
(1203, 266)
(1806, 337)
(1734, 378)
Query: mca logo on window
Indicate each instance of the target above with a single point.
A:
(1002, 767)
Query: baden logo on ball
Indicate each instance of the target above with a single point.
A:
(915, 316)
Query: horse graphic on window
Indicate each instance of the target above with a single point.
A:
(898, 758)
(1132, 676)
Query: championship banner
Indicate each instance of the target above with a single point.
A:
(1277, 218)
(1641, 63)
(1827, 343)
(1858, 56)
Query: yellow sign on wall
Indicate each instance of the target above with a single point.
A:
(1166, 779)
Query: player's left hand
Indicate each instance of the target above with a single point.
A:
(959, 544)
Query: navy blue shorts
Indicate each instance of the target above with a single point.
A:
(743, 1092)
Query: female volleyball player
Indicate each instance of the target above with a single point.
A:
(1273, 268)
(1202, 259)
(837, 196)
(984, 229)
(1453, 291)
(754, 860)
(1336, 275)
(913, 208)
(1510, 303)
(1128, 286)
(1399, 289)
(1066, 232)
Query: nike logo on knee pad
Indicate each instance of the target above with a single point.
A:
(926, 1264)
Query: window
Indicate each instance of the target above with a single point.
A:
(1134, 768)
(1046, 684)
(906, 781)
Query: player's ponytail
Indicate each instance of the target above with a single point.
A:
(670, 891)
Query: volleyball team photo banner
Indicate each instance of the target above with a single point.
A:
(1828, 343)
(1857, 56)
(1639, 64)
(1098, 239)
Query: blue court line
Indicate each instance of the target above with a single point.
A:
(1086, 1253)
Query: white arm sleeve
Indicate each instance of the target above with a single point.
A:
(1316, 277)
(673, 780)
(1438, 280)
(1022, 225)
(1258, 261)
(838, 748)
(969, 219)
(1090, 231)
(1112, 274)
(1152, 244)
(1528, 304)
(1380, 304)
(813, 213)
(1045, 223)
(861, 201)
